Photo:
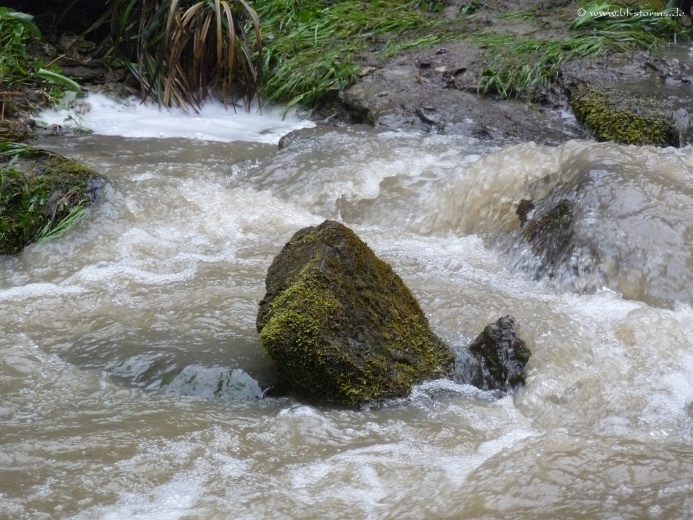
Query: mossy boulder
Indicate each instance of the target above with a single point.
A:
(41, 195)
(499, 357)
(621, 116)
(342, 325)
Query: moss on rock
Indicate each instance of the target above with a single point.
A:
(342, 325)
(41, 195)
(620, 116)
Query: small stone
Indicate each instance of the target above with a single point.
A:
(501, 356)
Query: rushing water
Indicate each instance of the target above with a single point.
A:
(164, 276)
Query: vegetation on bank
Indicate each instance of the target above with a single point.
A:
(179, 51)
(291, 51)
(42, 195)
(314, 46)
(27, 80)
(523, 67)
(296, 51)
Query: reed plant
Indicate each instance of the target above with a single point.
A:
(291, 51)
(182, 50)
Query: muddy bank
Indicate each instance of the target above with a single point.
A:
(435, 90)
(633, 98)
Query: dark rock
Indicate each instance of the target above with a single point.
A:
(556, 251)
(612, 223)
(499, 357)
(524, 210)
(453, 95)
(340, 323)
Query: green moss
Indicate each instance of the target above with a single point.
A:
(621, 117)
(341, 323)
(41, 195)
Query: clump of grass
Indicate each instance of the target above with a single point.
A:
(313, 46)
(523, 68)
(180, 50)
(42, 195)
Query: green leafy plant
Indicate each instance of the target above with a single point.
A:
(17, 65)
(180, 50)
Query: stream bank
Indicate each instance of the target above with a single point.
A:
(465, 80)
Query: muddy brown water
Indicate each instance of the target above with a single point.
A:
(165, 275)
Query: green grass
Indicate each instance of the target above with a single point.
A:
(521, 68)
(314, 46)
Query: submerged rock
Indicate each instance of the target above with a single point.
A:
(550, 245)
(41, 194)
(615, 222)
(498, 357)
(342, 325)
(550, 235)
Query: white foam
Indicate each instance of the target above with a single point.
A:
(33, 290)
(213, 122)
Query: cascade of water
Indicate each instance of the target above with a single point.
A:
(682, 121)
(129, 359)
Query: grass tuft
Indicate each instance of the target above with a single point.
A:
(19, 68)
(181, 50)
(524, 67)
(314, 46)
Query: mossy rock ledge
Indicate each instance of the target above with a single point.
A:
(341, 324)
(41, 195)
(621, 116)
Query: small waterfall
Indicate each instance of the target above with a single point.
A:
(682, 122)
